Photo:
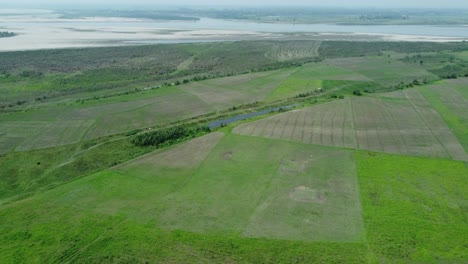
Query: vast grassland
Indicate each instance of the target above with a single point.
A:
(294, 195)
(218, 198)
(324, 183)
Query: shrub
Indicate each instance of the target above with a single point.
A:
(357, 92)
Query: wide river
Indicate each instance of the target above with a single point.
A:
(219, 24)
(47, 30)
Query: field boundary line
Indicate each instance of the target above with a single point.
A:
(354, 123)
(425, 122)
(332, 138)
(304, 121)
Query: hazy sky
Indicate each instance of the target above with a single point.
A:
(343, 3)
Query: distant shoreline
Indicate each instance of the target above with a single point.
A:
(46, 30)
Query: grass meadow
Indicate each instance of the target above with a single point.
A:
(352, 175)
(228, 202)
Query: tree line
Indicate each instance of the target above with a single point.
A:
(168, 136)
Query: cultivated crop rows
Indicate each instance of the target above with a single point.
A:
(402, 126)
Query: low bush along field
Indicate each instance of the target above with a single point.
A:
(395, 125)
(202, 200)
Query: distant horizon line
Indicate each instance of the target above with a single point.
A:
(114, 6)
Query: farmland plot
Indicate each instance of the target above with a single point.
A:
(293, 86)
(247, 88)
(56, 134)
(328, 71)
(13, 133)
(8, 143)
(402, 126)
(294, 194)
(385, 71)
(449, 99)
(160, 110)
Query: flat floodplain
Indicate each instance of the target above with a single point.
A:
(414, 208)
(407, 126)
(226, 185)
(120, 114)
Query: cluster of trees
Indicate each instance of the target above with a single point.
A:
(168, 136)
(403, 85)
(6, 34)
(337, 96)
(444, 65)
(357, 92)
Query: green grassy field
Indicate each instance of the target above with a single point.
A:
(327, 182)
(300, 202)
(414, 209)
(293, 86)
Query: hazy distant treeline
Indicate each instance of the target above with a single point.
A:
(6, 34)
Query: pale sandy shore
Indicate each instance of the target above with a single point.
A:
(49, 31)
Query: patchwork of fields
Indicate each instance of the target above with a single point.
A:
(375, 178)
(55, 126)
(58, 125)
(408, 126)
